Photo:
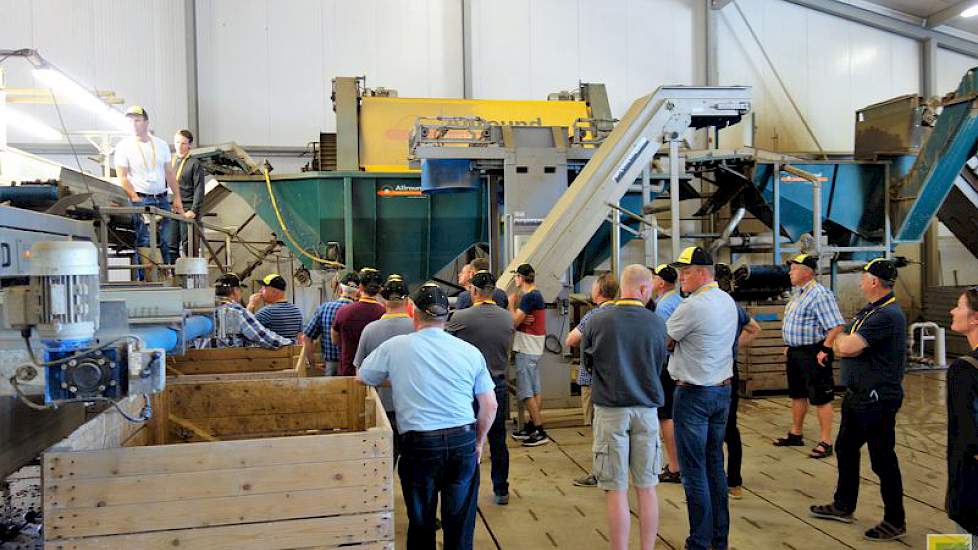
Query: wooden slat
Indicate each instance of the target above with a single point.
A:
(372, 531)
(127, 518)
(284, 478)
(194, 355)
(222, 455)
(277, 396)
(269, 423)
(199, 431)
(232, 376)
(229, 366)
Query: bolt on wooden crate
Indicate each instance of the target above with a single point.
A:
(242, 464)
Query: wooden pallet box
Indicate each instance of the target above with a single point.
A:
(762, 367)
(243, 464)
(234, 361)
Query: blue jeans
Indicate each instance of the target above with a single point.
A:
(433, 464)
(142, 232)
(700, 416)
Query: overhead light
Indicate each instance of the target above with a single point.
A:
(62, 85)
(30, 125)
(970, 12)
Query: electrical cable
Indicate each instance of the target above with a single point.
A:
(64, 130)
(288, 235)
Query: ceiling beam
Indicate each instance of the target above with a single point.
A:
(890, 24)
(949, 13)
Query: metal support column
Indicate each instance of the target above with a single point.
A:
(776, 239)
(348, 222)
(651, 233)
(930, 253)
(616, 242)
(675, 218)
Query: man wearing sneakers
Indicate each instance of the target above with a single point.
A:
(603, 293)
(489, 327)
(702, 331)
(811, 322)
(667, 299)
(873, 348)
(529, 318)
(624, 346)
(394, 322)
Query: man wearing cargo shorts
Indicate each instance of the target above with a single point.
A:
(530, 321)
(624, 346)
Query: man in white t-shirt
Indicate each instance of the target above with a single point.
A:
(142, 162)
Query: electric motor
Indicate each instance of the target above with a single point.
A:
(64, 285)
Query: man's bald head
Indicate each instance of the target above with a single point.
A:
(636, 283)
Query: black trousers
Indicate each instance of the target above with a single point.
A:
(735, 449)
(876, 428)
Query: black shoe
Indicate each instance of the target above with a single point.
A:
(831, 511)
(668, 476)
(885, 531)
(536, 439)
(524, 434)
(790, 440)
(502, 500)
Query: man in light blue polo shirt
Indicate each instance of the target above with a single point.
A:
(434, 377)
(702, 330)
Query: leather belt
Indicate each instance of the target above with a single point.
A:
(151, 196)
(445, 431)
(687, 384)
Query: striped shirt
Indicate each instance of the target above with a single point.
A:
(237, 327)
(283, 318)
(321, 323)
(809, 315)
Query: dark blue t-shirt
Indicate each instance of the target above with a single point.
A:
(876, 374)
(743, 318)
(464, 299)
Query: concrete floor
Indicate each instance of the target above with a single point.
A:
(547, 511)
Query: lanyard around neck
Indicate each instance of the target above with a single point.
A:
(484, 302)
(143, 155)
(395, 316)
(859, 323)
(182, 162)
(629, 302)
(369, 301)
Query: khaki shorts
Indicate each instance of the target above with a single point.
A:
(626, 440)
(586, 405)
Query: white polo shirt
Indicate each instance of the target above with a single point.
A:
(146, 161)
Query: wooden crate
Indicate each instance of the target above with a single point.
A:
(242, 464)
(762, 368)
(235, 360)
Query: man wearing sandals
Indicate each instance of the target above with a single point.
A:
(873, 348)
(811, 322)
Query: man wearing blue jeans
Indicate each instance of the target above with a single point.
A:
(489, 327)
(143, 164)
(434, 378)
(701, 332)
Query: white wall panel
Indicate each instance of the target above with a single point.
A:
(136, 48)
(265, 67)
(951, 67)
(830, 66)
(524, 49)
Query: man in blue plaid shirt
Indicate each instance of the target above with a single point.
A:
(236, 326)
(811, 322)
(321, 322)
(603, 292)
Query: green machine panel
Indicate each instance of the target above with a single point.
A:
(391, 225)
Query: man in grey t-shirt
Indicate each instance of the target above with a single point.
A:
(489, 327)
(624, 345)
(394, 322)
(702, 331)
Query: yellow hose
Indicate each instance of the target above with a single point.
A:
(281, 223)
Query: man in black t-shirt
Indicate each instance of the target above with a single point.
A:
(873, 348)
